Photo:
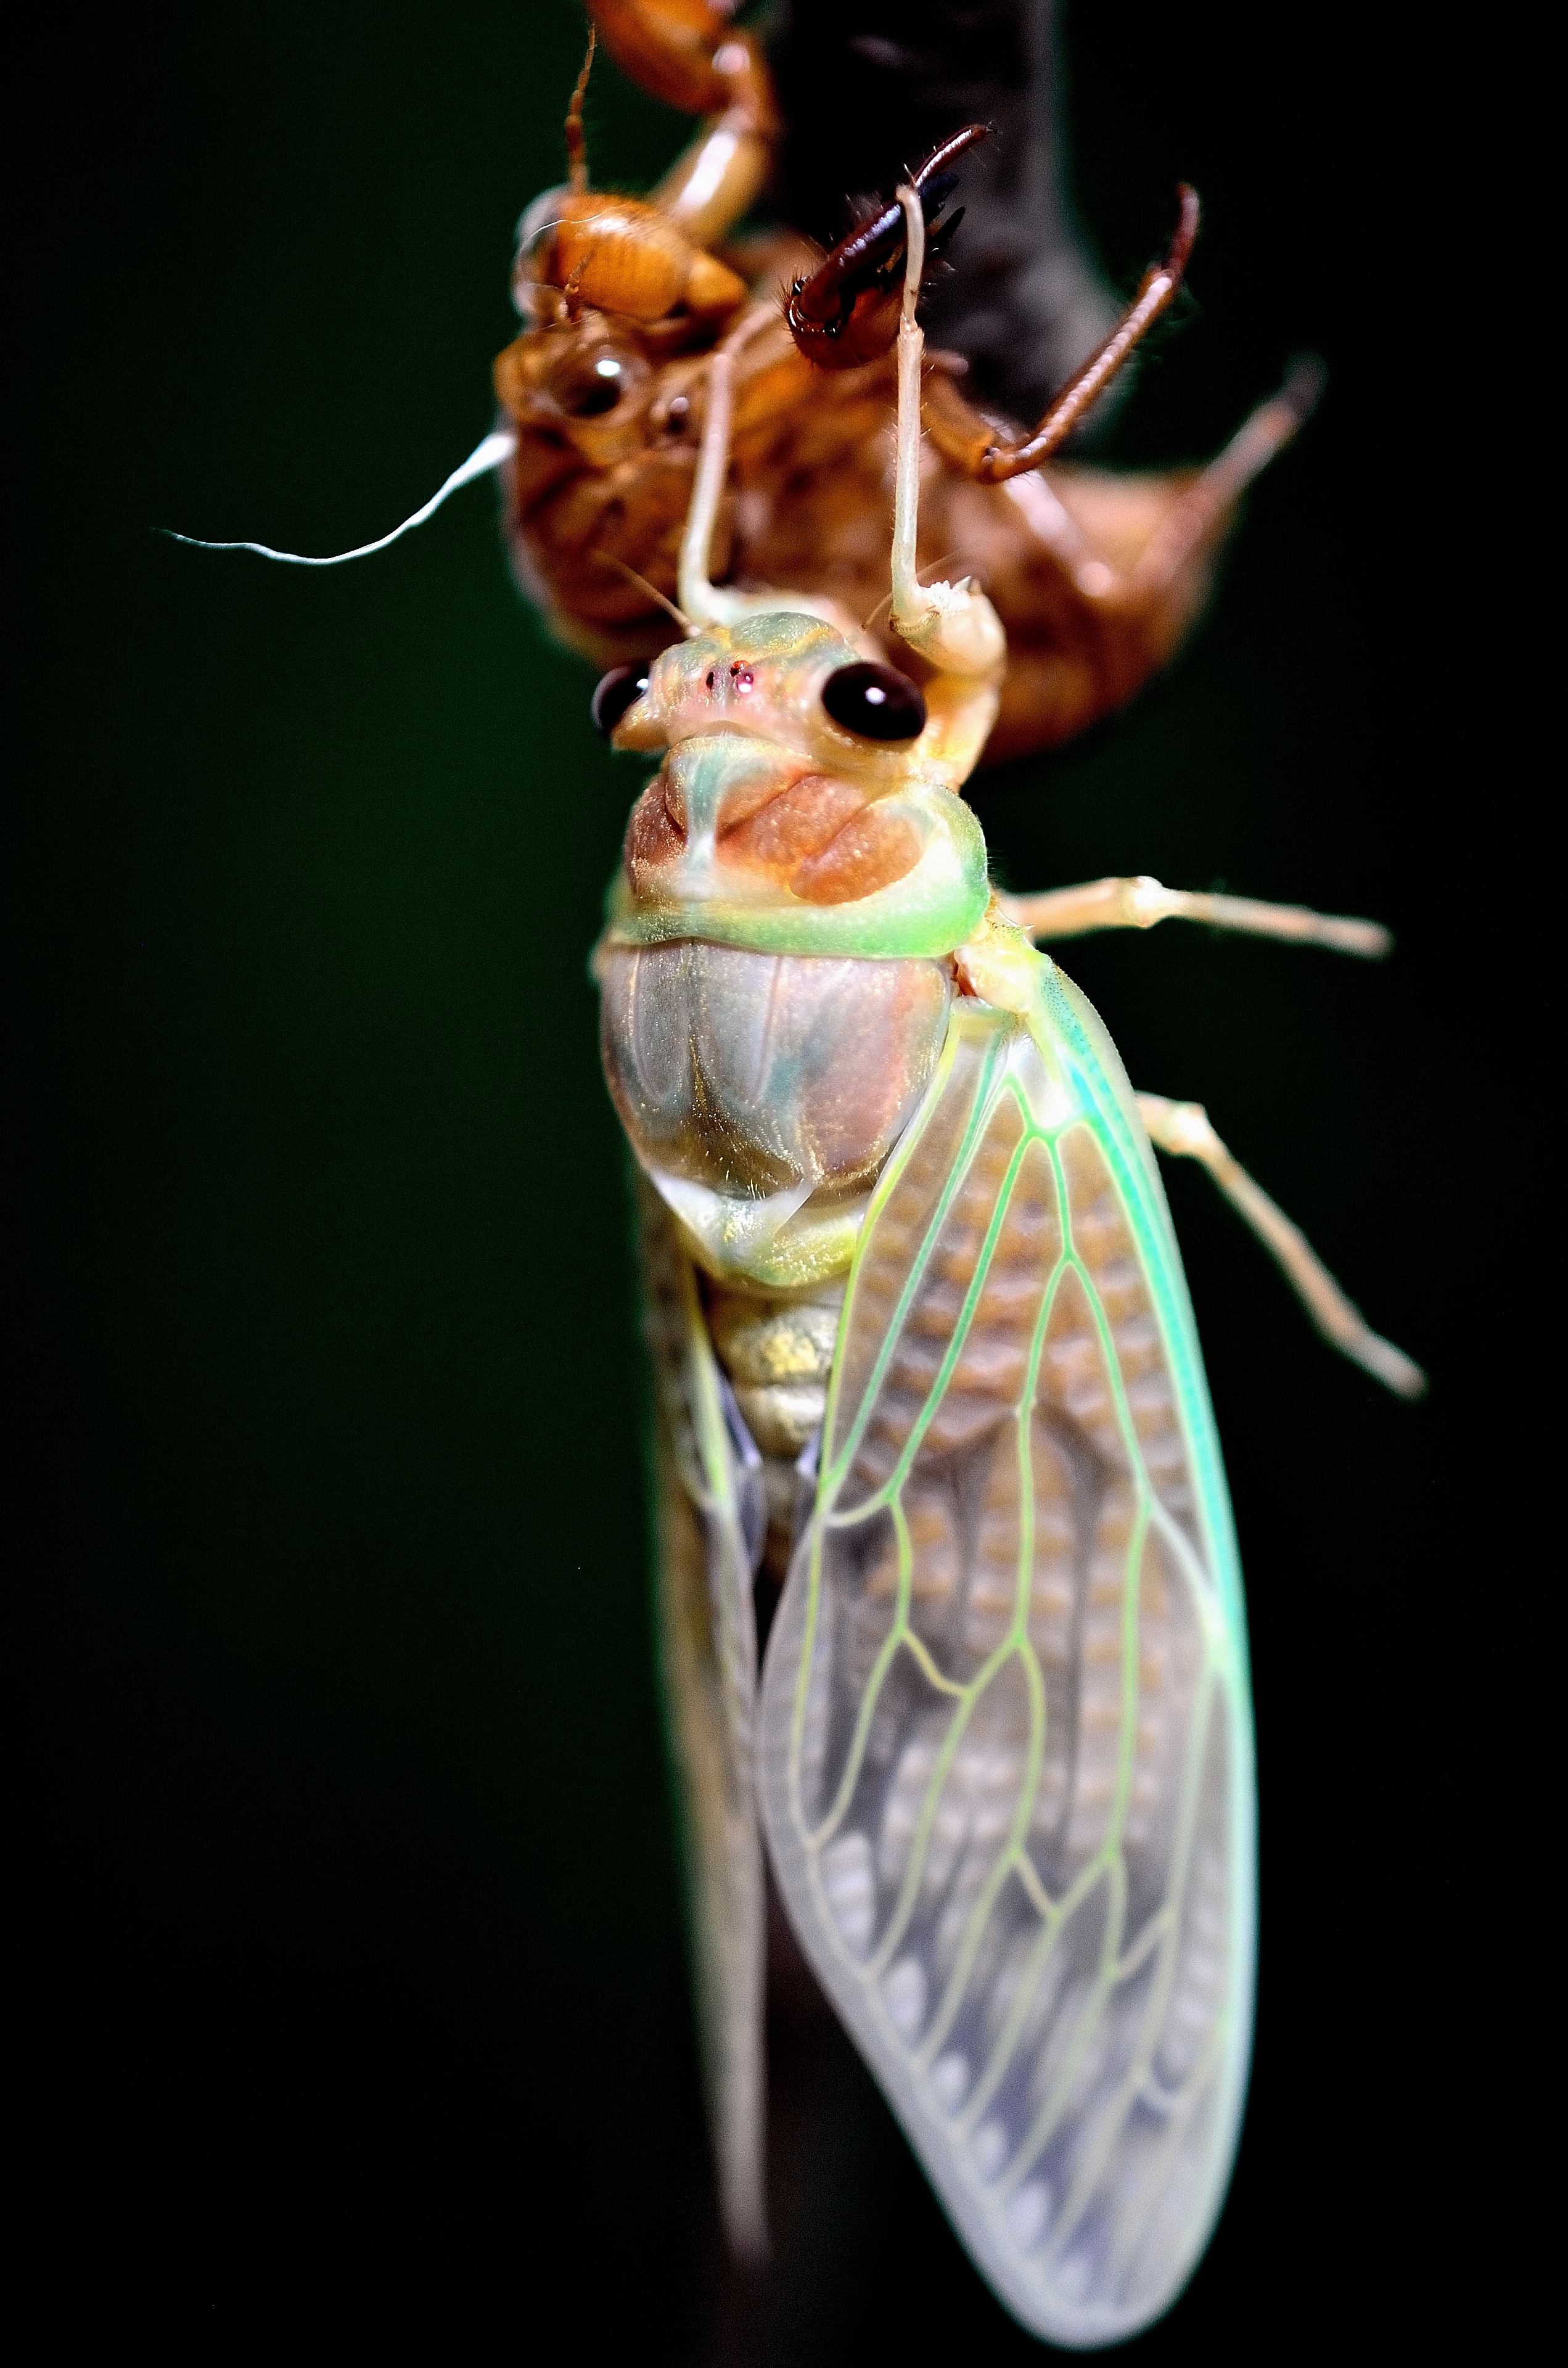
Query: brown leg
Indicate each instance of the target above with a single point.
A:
(970, 444)
(688, 54)
(1227, 477)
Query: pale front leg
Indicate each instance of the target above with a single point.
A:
(702, 602)
(953, 626)
(1183, 1129)
(1138, 904)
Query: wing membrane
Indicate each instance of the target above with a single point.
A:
(710, 1521)
(1006, 1745)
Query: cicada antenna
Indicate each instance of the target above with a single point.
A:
(682, 620)
(576, 138)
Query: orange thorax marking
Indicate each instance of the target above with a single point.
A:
(820, 837)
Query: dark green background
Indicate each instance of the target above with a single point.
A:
(361, 1970)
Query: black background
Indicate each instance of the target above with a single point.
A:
(360, 1975)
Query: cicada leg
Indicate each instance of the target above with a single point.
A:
(953, 626)
(1128, 614)
(1196, 515)
(1138, 902)
(848, 312)
(970, 443)
(1182, 1129)
(1088, 518)
(687, 52)
(1131, 556)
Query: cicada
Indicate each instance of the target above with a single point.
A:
(932, 1414)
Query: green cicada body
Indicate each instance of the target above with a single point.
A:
(926, 1358)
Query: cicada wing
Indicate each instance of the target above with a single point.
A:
(1004, 1735)
(710, 1517)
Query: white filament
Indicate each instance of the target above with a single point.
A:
(496, 448)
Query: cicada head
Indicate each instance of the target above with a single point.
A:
(793, 774)
(806, 800)
(782, 677)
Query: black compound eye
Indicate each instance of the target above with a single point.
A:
(617, 691)
(876, 702)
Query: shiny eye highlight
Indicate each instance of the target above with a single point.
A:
(587, 385)
(876, 702)
(617, 691)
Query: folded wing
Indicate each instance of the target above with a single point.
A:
(1005, 1739)
(709, 1519)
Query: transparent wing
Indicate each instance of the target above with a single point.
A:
(1005, 1734)
(711, 1518)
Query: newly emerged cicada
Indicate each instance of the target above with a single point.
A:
(932, 1412)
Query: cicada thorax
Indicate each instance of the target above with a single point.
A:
(764, 1092)
(787, 824)
(770, 1016)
